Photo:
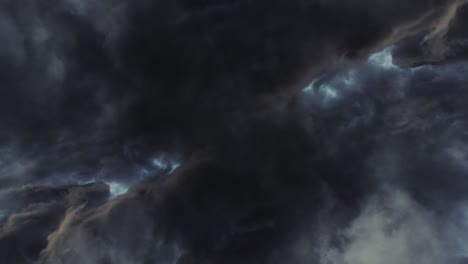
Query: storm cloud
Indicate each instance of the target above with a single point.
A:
(301, 131)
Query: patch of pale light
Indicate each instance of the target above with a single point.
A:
(458, 154)
(143, 172)
(178, 253)
(460, 233)
(174, 167)
(324, 89)
(163, 163)
(326, 93)
(3, 214)
(16, 168)
(350, 80)
(383, 59)
(329, 91)
(159, 163)
(117, 188)
(310, 87)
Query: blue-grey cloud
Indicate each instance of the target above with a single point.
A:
(231, 131)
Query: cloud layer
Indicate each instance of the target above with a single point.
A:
(301, 131)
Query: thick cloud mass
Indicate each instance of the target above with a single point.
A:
(233, 131)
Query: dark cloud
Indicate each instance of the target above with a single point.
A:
(370, 157)
(344, 184)
(172, 74)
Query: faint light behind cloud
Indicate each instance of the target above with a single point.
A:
(3, 215)
(383, 59)
(163, 163)
(117, 188)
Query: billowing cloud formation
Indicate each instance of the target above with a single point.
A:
(297, 142)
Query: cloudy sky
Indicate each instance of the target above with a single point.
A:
(233, 132)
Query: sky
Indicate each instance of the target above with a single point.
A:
(233, 132)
